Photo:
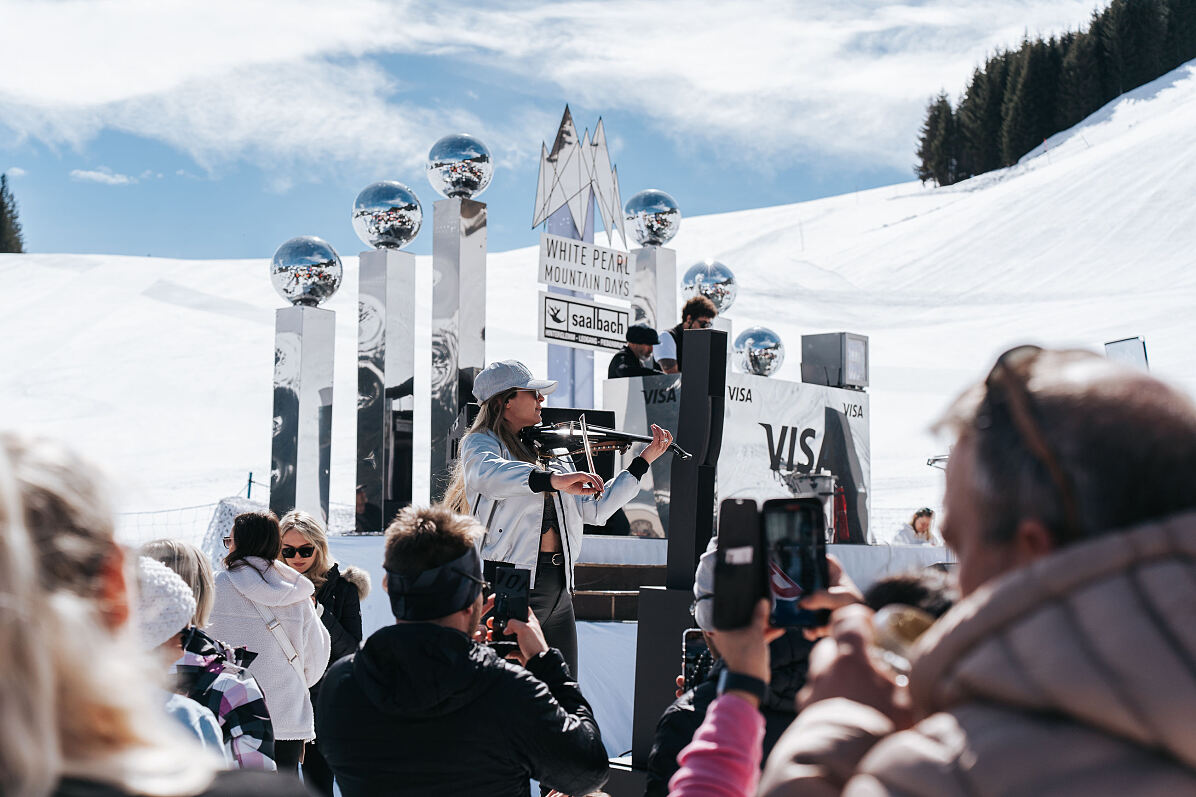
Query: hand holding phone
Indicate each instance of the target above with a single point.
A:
(511, 588)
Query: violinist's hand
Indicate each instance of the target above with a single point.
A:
(661, 440)
(578, 483)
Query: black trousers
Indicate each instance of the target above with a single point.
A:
(286, 755)
(317, 775)
(552, 604)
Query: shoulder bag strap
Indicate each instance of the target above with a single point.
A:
(284, 642)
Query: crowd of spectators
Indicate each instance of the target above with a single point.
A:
(1058, 656)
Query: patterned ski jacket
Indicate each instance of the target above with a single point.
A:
(214, 675)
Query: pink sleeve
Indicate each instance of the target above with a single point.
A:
(723, 760)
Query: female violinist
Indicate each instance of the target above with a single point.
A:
(534, 507)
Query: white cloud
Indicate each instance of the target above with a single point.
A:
(15, 171)
(102, 175)
(232, 80)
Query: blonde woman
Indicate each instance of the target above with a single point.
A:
(267, 607)
(534, 509)
(338, 599)
(77, 712)
(210, 672)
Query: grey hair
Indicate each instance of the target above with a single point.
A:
(1126, 440)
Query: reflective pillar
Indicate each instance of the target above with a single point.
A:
(458, 322)
(655, 292)
(303, 355)
(385, 382)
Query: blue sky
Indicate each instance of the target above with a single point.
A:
(159, 128)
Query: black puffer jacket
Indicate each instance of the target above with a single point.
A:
(421, 709)
(341, 595)
(789, 658)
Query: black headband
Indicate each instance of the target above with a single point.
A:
(439, 592)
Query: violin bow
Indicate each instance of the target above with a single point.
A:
(585, 441)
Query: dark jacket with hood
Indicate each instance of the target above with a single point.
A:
(422, 709)
(788, 655)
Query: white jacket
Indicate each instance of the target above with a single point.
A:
(286, 594)
(496, 487)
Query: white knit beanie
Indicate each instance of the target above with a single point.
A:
(704, 587)
(165, 604)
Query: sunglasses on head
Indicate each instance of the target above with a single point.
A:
(304, 551)
(227, 541)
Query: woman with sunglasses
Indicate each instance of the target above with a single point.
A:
(534, 509)
(337, 599)
(267, 607)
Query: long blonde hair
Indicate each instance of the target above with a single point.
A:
(312, 530)
(490, 418)
(192, 566)
(76, 694)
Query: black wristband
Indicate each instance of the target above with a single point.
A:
(638, 467)
(728, 680)
(540, 481)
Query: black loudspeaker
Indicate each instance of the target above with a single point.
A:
(838, 456)
(664, 612)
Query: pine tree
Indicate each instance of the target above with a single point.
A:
(1179, 42)
(1027, 117)
(1133, 37)
(10, 225)
(1080, 81)
(980, 116)
(938, 145)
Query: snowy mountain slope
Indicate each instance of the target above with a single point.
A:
(162, 368)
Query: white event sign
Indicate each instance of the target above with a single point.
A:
(585, 267)
(582, 324)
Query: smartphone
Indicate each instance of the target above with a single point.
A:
(696, 659)
(794, 531)
(740, 575)
(503, 647)
(511, 588)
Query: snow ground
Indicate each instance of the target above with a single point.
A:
(161, 369)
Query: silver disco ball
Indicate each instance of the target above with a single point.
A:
(759, 351)
(306, 270)
(654, 217)
(460, 166)
(387, 215)
(713, 280)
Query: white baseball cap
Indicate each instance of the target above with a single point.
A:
(503, 375)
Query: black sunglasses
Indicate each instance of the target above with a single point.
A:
(305, 551)
(1008, 386)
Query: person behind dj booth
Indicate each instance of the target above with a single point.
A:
(635, 359)
(698, 313)
(533, 509)
(425, 708)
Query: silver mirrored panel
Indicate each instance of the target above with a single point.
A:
(713, 280)
(653, 216)
(302, 427)
(759, 350)
(306, 270)
(387, 215)
(460, 166)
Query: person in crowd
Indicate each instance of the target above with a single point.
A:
(165, 606)
(425, 708)
(269, 608)
(1067, 667)
(77, 710)
(210, 672)
(676, 727)
(534, 508)
(917, 531)
(338, 599)
(367, 516)
(635, 359)
(698, 313)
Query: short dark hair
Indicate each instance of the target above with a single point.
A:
(699, 307)
(930, 590)
(1124, 439)
(254, 534)
(423, 537)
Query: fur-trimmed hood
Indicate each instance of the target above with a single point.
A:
(358, 578)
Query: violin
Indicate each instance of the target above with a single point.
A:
(578, 437)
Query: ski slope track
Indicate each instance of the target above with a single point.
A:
(161, 369)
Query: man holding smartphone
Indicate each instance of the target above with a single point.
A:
(425, 707)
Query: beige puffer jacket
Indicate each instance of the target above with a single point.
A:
(1074, 676)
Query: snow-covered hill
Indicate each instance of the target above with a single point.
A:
(162, 368)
